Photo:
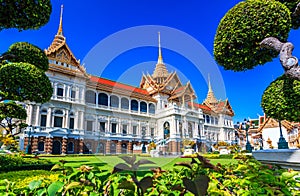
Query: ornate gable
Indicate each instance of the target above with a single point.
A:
(61, 58)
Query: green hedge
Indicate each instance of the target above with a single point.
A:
(16, 162)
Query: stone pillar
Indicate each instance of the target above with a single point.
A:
(119, 147)
(35, 143)
(81, 145)
(107, 147)
(50, 144)
(64, 145)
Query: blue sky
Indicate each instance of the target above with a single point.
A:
(187, 33)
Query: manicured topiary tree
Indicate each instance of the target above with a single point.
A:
(254, 32)
(23, 65)
(24, 14)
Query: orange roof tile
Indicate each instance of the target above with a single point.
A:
(203, 107)
(118, 85)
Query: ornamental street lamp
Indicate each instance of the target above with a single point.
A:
(28, 148)
(245, 126)
(282, 144)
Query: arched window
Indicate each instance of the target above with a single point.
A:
(90, 97)
(114, 101)
(43, 122)
(58, 118)
(124, 148)
(216, 121)
(212, 120)
(113, 149)
(125, 103)
(143, 107)
(207, 119)
(41, 146)
(134, 105)
(70, 147)
(151, 108)
(103, 99)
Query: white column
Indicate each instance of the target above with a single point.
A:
(97, 95)
(68, 94)
(82, 120)
(67, 119)
(29, 114)
(108, 124)
(49, 117)
(37, 117)
(76, 120)
(96, 128)
(55, 90)
(147, 108)
(108, 101)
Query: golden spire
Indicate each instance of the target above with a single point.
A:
(210, 98)
(209, 85)
(160, 71)
(60, 32)
(160, 59)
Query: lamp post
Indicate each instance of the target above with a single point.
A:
(28, 147)
(282, 144)
(245, 126)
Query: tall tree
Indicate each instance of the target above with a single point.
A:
(23, 65)
(254, 32)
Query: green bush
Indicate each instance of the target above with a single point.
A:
(196, 177)
(15, 162)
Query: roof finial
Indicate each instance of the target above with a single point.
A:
(160, 60)
(209, 85)
(59, 32)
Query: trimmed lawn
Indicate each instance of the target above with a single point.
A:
(108, 162)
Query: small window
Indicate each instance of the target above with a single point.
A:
(71, 126)
(60, 91)
(89, 125)
(73, 94)
(102, 127)
(124, 131)
(43, 120)
(134, 128)
(113, 128)
(58, 121)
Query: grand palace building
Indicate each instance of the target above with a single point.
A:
(90, 114)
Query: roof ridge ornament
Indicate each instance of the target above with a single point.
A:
(60, 31)
(160, 59)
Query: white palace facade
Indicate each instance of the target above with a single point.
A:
(90, 114)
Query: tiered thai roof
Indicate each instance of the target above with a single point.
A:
(218, 106)
(63, 59)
